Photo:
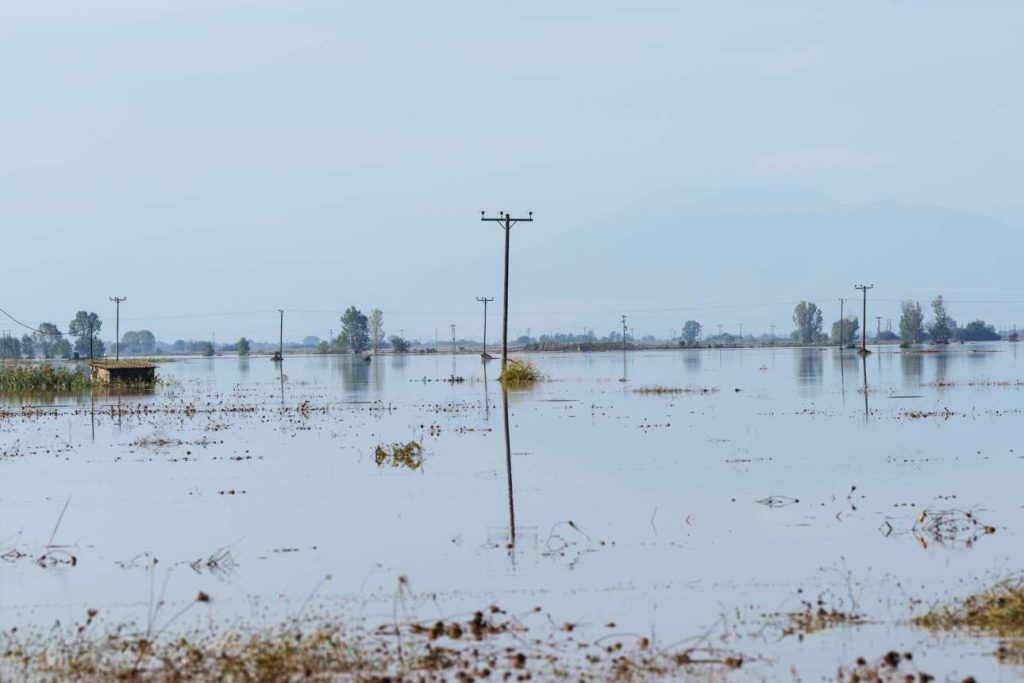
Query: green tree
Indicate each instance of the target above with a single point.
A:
(10, 347)
(691, 331)
(977, 330)
(28, 347)
(130, 342)
(146, 340)
(911, 322)
(808, 321)
(354, 330)
(80, 327)
(375, 324)
(323, 347)
(47, 339)
(940, 329)
(850, 327)
(242, 346)
(205, 348)
(399, 345)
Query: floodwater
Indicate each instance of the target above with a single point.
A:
(783, 475)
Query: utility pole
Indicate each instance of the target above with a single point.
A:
(90, 337)
(719, 329)
(506, 221)
(771, 337)
(485, 301)
(741, 332)
(117, 327)
(623, 333)
(878, 326)
(864, 328)
(842, 325)
(279, 356)
(453, 338)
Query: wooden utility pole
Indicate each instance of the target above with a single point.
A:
(623, 333)
(842, 325)
(279, 356)
(506, 221)
(117, 326)
(864, 319)
(485, 301)
(453, 338)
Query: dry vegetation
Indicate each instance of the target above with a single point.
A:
(519, 373)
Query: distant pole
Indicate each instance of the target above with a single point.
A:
(864, 328)
(117, 326)
(719, 330)
(842, 325)
(878, 326)
(90, 338)
(506, 221)
(771, 337)
(453, 338)
(485, 301)
(623, 333)
(741, 332)
(280, 335)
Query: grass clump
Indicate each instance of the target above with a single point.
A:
(998, 610)
(41, 377)
(408, 455)
(519, 373)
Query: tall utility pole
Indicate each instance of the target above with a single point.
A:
(279, 356)
(864, 327)
(506, 221)
(453, 338)
(842, 325)
(623, 333)
(484, 300)
(878, 326)
(771, 338)
(117, 327)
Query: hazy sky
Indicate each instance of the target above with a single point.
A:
(214, 161)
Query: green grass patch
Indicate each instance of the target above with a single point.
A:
(520, 373)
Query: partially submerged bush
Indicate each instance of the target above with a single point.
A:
(519, 373)
(42, 377)
(408, 455)
(998, 610)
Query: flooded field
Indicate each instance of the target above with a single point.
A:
(790, 509)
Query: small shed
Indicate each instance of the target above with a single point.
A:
(123, 371)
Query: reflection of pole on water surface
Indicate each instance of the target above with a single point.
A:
(508, 470)
(864, 364)
(92, 413)
(280, 374)
(487, 397)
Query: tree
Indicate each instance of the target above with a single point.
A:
(691, 331)
(28, 349)
(977, 331)
(130, 342)
(47, 339)
(80, 327)
(310, 341)
(242, 346)
(10, 347)
(205, 348)
(807, 318)
(911, 322)
(147, 342)
(850, 327)
(323, 347)
(179, 344)
(398, 344)
(941, 330)
(354, 334)
(375, 324)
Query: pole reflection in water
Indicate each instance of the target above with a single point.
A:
(864, 364)
(487, 396)
(508, 470)
(92, 413)
(280, 372)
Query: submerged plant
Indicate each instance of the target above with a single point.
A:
(519, 373)
(408, 455)
(41, 377)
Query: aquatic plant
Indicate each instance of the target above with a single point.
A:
(408, 455)
(519, 373)
(41, 377)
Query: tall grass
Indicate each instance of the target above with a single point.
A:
(41, 377)
(519, 373)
